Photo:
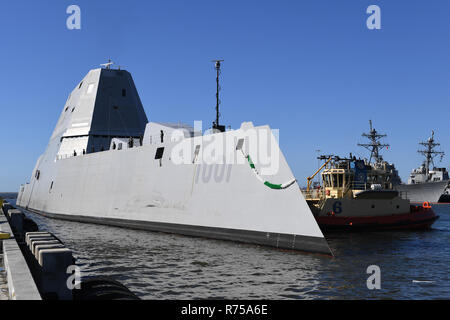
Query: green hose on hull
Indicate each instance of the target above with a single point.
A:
(267, 183)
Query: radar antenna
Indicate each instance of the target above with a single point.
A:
(108, 64)
(216, 123)
(374, 146)
(429, 152)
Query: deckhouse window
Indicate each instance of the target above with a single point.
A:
(124, 92)
(90, 88)
(159, 153)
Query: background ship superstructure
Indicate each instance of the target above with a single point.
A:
(105, 164)
(425, 184)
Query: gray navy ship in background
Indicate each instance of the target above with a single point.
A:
(425, 184)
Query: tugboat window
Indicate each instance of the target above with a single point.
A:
(335, 181)
(326, 180)
(124, 92)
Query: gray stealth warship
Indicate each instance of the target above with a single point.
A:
(106, 164)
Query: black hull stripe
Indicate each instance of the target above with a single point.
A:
(277, 240)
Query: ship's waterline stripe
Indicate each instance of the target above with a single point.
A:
(271, 239)
(267, 183)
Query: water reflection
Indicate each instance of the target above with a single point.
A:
(164, 266)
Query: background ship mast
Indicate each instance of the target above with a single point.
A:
(216, 123)
(429, 152)
(374, 146)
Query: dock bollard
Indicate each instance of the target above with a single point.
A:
(16, 220)
(46, 245)
(36, 235)
(54, 264)
(5, 207)
(33, 239)
(35, 243)
(52, 261)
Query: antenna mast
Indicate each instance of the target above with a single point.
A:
(108, 64)
(216, 123)
(429, 152)
(374, 146)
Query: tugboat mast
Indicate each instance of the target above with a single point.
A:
(216, 123)
(429, 152)
(374, 146)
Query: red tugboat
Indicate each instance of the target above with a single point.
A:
(358, 195)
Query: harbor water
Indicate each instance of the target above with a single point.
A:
(413, 264)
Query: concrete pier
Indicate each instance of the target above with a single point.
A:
(35, 263)
(20, 282)
(3, 282)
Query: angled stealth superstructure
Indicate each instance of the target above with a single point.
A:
(105, 164)
(103, 105)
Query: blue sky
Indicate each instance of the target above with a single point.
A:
(312, 69)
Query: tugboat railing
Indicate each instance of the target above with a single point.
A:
(319, 193)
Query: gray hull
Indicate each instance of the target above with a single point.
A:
(277, 240)
(428, 191)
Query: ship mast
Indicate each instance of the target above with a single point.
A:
(429, 152)
(216, 123)
(374, 146)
